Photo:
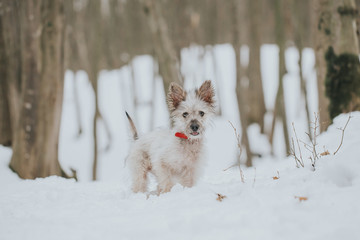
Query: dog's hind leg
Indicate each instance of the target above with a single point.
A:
(140, 165)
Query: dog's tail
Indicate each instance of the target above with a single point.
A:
(132, 127)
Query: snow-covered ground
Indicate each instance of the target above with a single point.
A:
(276, 201)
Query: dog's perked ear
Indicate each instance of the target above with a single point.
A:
(175, 96)
(206, 92)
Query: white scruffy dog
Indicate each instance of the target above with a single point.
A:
(173, 155)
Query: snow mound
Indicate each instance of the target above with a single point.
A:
(277, 201)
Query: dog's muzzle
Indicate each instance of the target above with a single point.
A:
(194, 127)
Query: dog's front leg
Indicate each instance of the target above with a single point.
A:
(187, 178)
(164, 178)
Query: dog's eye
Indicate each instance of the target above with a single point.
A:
(185, 114)
(201, 113)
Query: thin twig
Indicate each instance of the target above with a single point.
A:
(297, 140)
(77, 108)
(238, 139)
(241, 175)
(234, 165)
(305, 144)
(292, 153)
(314, 138)
(342, 134)
(108, 133)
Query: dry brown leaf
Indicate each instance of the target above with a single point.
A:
(276, 177)
(325, 153)
(301, 198)
(220, 197)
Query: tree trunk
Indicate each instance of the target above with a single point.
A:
(35, 145)
(5, 123)
(280, 110)
(11, 78)
(337, 57)
(169, 66)
(357, 3)
(343, 68)
(94, 79)
(77, 106)
(256, 103)
(153, 95)
(299, 7)
(324, 38)
(217, 80)
(240, 90)
(134, 89)
(93, 54)
(304, 91)
(348, 38)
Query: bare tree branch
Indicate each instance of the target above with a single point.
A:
(342, 134)
(238, 139)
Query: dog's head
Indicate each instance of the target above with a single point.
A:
(190, 111)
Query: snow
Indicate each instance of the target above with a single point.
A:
(259, 208)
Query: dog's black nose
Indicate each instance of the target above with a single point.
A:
(194, 127)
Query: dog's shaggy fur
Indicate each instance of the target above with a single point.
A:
(172, 159)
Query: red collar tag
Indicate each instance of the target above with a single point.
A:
(181, 135)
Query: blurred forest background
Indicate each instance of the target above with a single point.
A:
(40, 39)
